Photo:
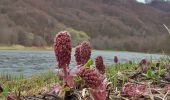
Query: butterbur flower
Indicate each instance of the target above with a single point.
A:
(62, 48)
(85, 52)
(99, 64)
(91, 77)
(115, 59)
(82, 53)
(143, 62)
(78, 55)
(134, 90)
(129, 89)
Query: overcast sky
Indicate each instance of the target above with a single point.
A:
(141, 0)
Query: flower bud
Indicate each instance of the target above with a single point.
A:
(115, 59)
(85, 52)
(99, 64)
(78, 55)
(91, 77)
(82, 53)
(62, 48)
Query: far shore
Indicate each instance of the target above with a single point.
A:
(20, 47)
(50, 48)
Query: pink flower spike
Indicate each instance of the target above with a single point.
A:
(85, 51)
(82, 53)
(133, 90)
(62, 48)
(78, 55)
(129, 89)
(116, 59)
(91, 77)
(99, 64)
(143, 62)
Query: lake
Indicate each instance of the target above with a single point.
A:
(28, 63)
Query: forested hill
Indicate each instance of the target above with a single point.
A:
(109, 24)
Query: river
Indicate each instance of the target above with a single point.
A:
(28, 63)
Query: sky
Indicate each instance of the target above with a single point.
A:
(141, 0)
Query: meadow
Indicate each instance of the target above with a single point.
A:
(117, 74)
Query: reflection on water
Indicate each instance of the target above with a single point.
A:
(33, 62)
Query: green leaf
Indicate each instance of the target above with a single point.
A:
(150, 73)
(89, 63)
(161, 72)
(66, 88)
(6, 91)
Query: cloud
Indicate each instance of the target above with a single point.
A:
(141, 1)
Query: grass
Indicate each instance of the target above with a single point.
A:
(20, 47)
(114, 72)
(36, 84)
(28, 86)
(44, 82)
(117, 72)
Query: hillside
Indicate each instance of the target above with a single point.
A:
(111, 24)
(164, 6)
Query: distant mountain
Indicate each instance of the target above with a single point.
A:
(148, 1)
(164, 6)
(111, 24)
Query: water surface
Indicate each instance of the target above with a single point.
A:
(28, 63)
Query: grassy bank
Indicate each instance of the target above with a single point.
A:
(20, 47)
(28, 86)
(117, 74)
(44, 82)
